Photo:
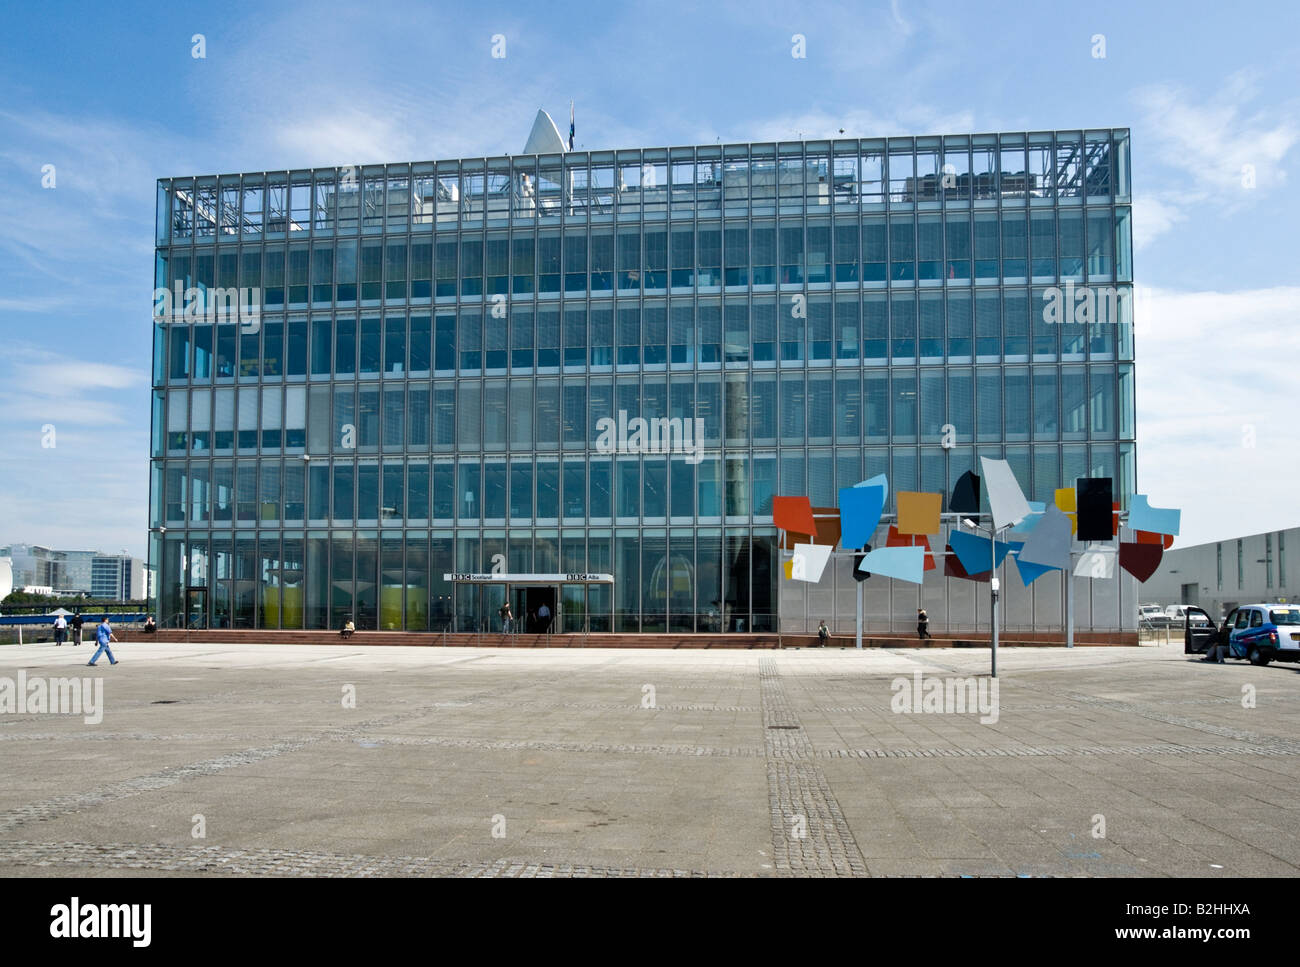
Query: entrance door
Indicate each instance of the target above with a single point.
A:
(535, 598)
(196, 608)
(573, 608)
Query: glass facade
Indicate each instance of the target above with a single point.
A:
(437, 345)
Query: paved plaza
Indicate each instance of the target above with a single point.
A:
(347, 760)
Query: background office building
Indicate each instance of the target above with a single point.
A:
(80, 572)
(1219, 576)
(32, 564)
(438, 341)
(107, 577)
(117, 577)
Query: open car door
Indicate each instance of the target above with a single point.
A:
(1198, 637)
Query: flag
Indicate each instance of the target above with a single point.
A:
(570, 125)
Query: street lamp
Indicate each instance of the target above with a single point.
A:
(993, 589)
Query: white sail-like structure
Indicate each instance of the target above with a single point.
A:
(544, 137)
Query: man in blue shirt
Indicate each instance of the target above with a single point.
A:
(103, 634)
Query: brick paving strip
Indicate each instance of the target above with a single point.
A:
(285, 862)
(605, 748)
(822, 844)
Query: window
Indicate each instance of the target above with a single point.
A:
(847, 328)
(875, 327)
(602, 262)
(930, 326)
(792, 410)
(1014, 246)
(521, 491)
(708, 262)
(902, 249)
(905, 407)
(874, 250)
(763, 322)
(497, 256)
(903, 325)
(736, 249)
(988, 408)
(763, 249)
(929, 243)
(1101, 245)
(575, 261)
(548, 262)
(469, 339)
(792, 253)
(819, 252)
(629, 260)
(372, 270)
(986, 246)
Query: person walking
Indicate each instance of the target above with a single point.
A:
(103, 634)
(823, 633)
(922, 624)
(507, 618)
(60, 630)
(76, 624)
(543, 618)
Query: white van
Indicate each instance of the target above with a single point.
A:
(1177, 614)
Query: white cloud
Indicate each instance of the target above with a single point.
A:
(1214, 370)
(41, 387)
(1218, 151)
(1153, 217)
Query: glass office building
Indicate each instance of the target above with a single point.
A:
(420, 392)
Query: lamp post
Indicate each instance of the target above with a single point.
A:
(993, 588)
(1069, 602)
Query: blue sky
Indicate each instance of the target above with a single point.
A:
(111, 96)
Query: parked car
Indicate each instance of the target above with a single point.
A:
(1176, 612)
(1153, 616)
(1258, 633)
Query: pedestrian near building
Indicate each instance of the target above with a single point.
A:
(507, 618)
(60, 630)
(922, 624)
(76, 623)
(543, 618)
(823, 633)
(103, 634)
